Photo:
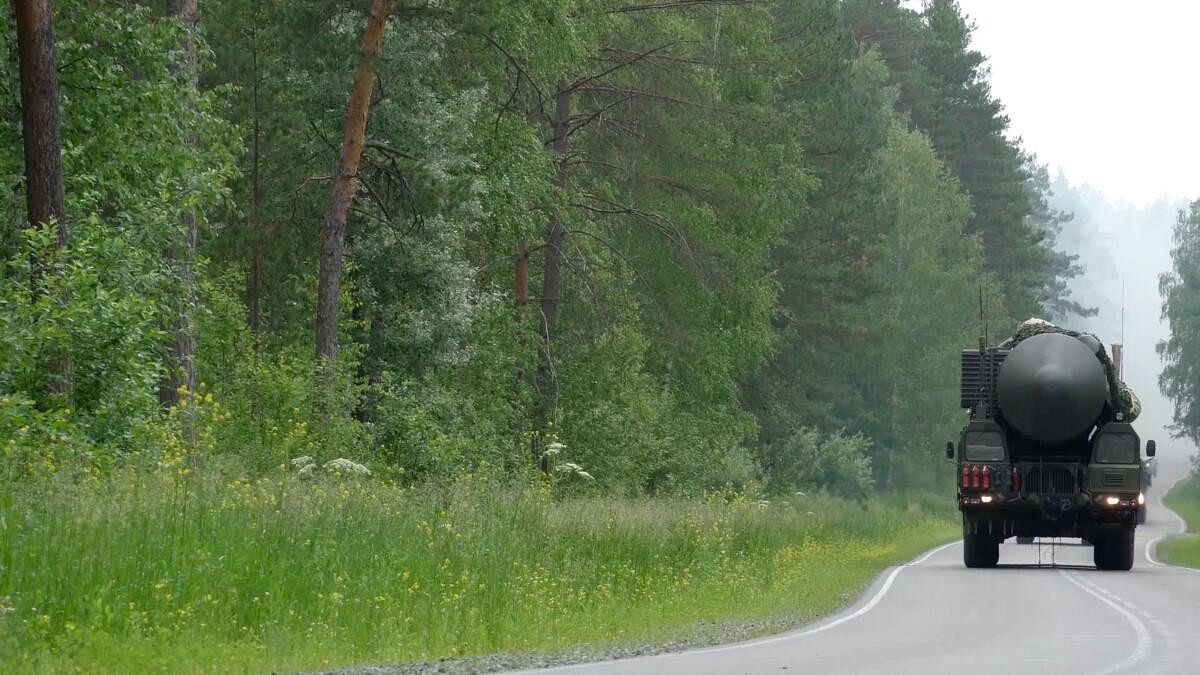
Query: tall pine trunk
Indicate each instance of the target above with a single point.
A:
(181, 351)
(341, 194)
(44, 191)
(556, 234)
(257, 235)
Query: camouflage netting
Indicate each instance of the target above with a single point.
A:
(1123, 399)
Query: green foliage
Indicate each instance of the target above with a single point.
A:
(37, 442)
(428, 431)
(806, 459)
(97, 309)
(100, 304)
(820, 259)
(777, 219)
(1184, 499)
(1180, 288)
(195, 570)
(943, 90)
(776, 224)
(926, 266)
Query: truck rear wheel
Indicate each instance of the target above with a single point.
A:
(1114, 551)
(980, 550)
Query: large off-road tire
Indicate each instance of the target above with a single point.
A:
(1100, 552)
(1114, 551)
(980, 550)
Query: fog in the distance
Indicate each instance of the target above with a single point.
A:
(1115, 119)
(1123, 249)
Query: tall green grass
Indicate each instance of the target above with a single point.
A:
(1184, 499)
(177, 572)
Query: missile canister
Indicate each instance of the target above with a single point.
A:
(1052, 388)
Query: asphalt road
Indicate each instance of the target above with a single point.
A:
(1044, 610)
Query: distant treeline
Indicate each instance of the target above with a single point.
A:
(643, 246)
(1180, 289)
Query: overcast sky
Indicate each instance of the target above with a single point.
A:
(1103, 89)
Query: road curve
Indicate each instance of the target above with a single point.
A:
(1044, 610)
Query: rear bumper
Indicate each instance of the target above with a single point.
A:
(1078, 515)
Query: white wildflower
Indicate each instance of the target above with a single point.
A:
(301, 462)
(568, 467)
(343, 465)
(307, 472)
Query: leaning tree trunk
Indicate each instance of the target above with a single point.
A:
(181, 351)
(341, 194)
(556, 234)
(43, 146)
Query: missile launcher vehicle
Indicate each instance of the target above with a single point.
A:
(1048, 450)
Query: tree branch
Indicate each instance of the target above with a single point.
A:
(684, 4)
(608, 71)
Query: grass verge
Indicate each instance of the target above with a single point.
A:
(144, 572)
(1184, 499)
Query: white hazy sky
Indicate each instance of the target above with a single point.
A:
(1104, 89)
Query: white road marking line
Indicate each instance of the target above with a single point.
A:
(1181, 526)
(1144, 640)
(887, 585)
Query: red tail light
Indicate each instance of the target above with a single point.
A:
(982, 477)
(1016, 479)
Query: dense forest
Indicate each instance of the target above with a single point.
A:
(643, 247)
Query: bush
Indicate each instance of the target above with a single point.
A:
(806, 459)
(93, 306)
(429, 431)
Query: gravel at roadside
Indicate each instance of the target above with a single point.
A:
(703, 635)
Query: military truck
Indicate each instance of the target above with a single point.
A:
(1048, 450)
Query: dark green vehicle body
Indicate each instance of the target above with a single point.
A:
(1059, 464)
